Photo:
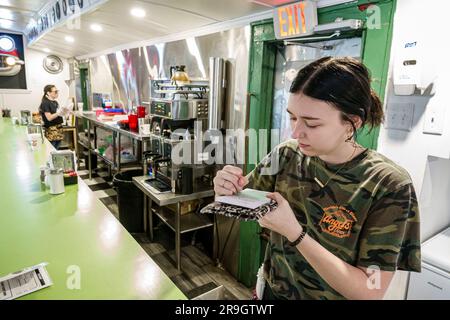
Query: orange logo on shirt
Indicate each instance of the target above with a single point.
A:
(337, 221)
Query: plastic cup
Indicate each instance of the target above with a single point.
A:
(133, 121)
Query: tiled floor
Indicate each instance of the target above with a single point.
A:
(198, 274)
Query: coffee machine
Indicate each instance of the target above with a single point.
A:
(179, 115)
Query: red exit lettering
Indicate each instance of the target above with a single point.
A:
(292, 20)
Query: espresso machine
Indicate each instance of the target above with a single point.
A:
(178, 117)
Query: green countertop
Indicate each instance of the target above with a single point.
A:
(71, 229)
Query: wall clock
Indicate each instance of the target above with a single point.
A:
(53, 64)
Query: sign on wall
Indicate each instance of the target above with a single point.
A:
(12, 62)
(57, 12)
(295, 19)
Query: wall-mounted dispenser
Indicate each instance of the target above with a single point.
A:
(406, 69)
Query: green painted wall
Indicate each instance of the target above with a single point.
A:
(375, 55)
(83, 79)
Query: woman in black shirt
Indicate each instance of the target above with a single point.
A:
(51, 114)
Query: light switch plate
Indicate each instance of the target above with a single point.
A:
(434, 120)
(399, 116)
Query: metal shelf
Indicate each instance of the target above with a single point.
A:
(131, 165)
(170, 84)
(170, 88)
(168, 140)
(108, 161)
(81, 143)
(178, 91)
(188, 222)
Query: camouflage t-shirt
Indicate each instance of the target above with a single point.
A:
(366, 214)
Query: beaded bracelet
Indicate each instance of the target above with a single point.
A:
(297, 241)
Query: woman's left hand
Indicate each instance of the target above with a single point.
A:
(282, 220)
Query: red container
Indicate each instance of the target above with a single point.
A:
(133, 121)
(141, 112)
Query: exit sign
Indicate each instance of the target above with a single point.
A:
(295, 19)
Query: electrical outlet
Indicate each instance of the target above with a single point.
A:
(434, 120)
(400, 116)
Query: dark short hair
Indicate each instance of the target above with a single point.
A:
(48, 88)
(343, 82)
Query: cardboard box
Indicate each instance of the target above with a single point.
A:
(186, 207)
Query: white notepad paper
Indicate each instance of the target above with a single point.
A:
(248, 198)
(23, 282)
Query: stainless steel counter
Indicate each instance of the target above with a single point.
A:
(93, 122)
(175, 220)
(164, 199)
(90, 115)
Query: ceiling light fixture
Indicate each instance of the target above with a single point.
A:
(69, 39)
(96, 27)
(6, 24)
(138, 12)
(46, 50)
(6, 14)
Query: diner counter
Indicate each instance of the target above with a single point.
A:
(73, 232)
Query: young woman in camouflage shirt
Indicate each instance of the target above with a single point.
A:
(347, 216)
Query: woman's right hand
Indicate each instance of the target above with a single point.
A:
(229, 180)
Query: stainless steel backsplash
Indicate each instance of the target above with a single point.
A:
(126, 74)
